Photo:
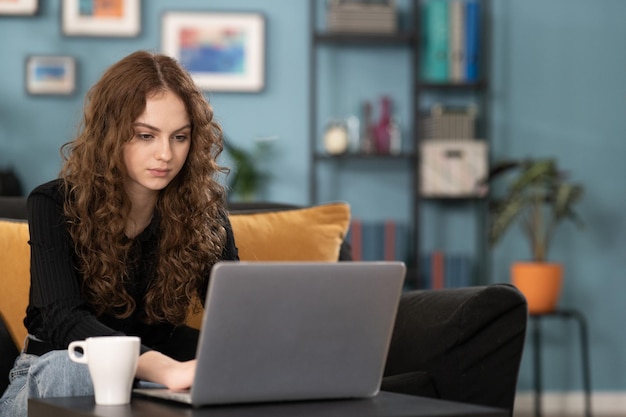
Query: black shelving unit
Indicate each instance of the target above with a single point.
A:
(406, 38)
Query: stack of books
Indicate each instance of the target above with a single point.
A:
(353, 16)
(451, 40)
(373, 240)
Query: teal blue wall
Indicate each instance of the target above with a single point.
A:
(33, 128)
(558, 88)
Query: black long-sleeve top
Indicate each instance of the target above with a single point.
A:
(57, 311)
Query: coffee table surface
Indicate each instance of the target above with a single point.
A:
(385, 404)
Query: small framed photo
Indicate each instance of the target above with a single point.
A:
(222, 51)
(50, 75)
(113, 18)
(18, 7)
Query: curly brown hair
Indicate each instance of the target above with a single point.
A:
(191, 207)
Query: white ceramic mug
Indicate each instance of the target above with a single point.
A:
(112, 362)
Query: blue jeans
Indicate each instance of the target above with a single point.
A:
(49, 375)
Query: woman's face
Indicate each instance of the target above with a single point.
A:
(159, 147)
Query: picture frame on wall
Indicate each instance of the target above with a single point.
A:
(104, 18)
(50, 75)
(18, 7)
(223, 51)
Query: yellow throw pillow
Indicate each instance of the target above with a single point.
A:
(307, 234)
(14, 276)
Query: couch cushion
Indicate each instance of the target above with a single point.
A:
(307, 234)
(13, 208)
(14, 276)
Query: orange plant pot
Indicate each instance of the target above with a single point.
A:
(540, 282)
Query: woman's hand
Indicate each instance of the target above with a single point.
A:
(156, 367)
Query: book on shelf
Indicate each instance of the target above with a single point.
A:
(373, 241)
(472, 39)
(389, 235)
(437, 270)
(378, 240)
(355, 237)
(451, 47)
(457, 271)
(435, 47)
(456, 40)
(425, 265)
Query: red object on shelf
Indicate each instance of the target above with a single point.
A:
(356, 240)
(437, 270)
(390, 240)
(382, 131)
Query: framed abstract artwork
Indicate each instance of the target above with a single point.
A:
(50, 74)
(222, 51)
(113, 18)
(18, 7)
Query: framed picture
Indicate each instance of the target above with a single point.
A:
(50, 74)
(18, 7)
(221, 51)
(101, 17)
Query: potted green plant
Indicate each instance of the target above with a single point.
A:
(539, 197)
(247, 176)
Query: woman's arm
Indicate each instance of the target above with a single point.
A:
(57, 311)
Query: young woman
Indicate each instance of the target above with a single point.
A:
(123, 242)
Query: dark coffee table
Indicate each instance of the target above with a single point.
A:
(385, 404)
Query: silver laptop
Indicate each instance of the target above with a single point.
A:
(283, 331)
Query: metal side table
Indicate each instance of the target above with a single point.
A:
(584, 349)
